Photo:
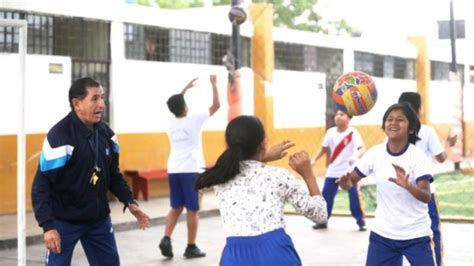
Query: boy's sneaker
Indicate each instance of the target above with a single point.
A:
(192, 251)
(320, 226)
(165, 247)
(362, 227)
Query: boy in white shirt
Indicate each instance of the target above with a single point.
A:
(431, 147)
(345, 145)
(184, 163)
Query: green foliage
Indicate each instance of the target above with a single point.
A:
(454, 194)
(294, 14)
(178, 4)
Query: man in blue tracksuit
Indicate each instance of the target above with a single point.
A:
(79, 163)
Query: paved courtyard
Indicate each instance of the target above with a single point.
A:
(340, 245)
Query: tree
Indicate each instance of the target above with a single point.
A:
(293, 14)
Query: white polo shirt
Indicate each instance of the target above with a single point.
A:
(341, 165)
(429, 145)
(399, 215)
(184, 135)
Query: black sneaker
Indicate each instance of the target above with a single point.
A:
(320, 226)
(165, 247)
(362, 227)
(192, 251)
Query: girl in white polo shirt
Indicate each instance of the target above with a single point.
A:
(402, 224)
(252, 196)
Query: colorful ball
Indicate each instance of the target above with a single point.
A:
(354, 93)
(237, 15)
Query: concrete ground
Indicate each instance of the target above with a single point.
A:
(341, 244)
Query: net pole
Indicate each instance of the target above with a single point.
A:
(21, 140)
(21, 176)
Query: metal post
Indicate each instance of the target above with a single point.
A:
(22, 25)
(236, 40)
(452, 35)
(233, 83)
(454, 66)
(21, 156)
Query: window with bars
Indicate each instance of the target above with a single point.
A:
(82, 39)
(9, 36)
(388, 67)
(221, 44)
(75, 37)
(411, 70)
(328, 60)
(87, 42)
(40, 34)
(364, 62)
(298, 57)
(245, 52)
(134, 36)
(379, 65)
(310, 58)
(190, 47)
(400, 68)
(182, 46)
(289, 56)
(439, 70)
(384, 66)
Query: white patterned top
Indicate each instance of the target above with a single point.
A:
(252, 203)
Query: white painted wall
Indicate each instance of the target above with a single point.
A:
(445, 102)
(46, 93)
(299, 99)
(141, 89)
(468, 105)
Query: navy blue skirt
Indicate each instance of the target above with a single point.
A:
(272, 248)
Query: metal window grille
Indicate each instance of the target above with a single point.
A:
(439, 70)
(155, 44)
(310, 58)
(328, 59)
(82, 39)
(389, 67)
(190, 47)
(182, 46)
(379, 64)
(402, 68)
(364, 62)
(40, 34)
(134, 36)
(289, 56)
(220, 45)
(410, 71)
(9, 35)
(245, 54)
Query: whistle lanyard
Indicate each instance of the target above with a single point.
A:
(95, 150)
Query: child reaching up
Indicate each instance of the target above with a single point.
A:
(252, 196)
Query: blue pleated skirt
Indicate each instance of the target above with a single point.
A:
(273, 248)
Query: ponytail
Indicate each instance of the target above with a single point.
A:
(243, 136)
(226, 168)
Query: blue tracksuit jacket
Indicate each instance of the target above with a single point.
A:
(62, 187)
